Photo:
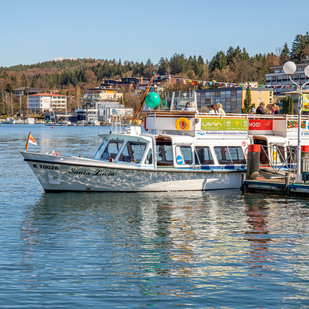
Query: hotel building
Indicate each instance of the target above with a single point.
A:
(47, 102)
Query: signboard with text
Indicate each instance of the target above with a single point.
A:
(208, 124)
(260, 124)
(305, 103)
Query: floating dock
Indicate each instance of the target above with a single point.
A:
(275, 186)
(265, 180)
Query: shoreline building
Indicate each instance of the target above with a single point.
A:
(47, 102)
(280, 81)
(232, 99)
(103, 104)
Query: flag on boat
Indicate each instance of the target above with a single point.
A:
(32, 140)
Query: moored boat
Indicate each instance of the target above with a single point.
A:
(178, 149)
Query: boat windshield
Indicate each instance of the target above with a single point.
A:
(164, 150)
(133, 151)
(112, 149)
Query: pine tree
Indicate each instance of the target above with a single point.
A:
(247, 102)
(219, 61)
(290, 106)
(285, 106)
(299, 44)
(285, 54)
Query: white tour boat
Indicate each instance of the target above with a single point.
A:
(177, 150)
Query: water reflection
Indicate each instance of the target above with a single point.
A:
(170, 245)
(257, 211)
(181, 235)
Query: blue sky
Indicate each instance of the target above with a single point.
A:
(37, 30)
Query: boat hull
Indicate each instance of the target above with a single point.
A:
(59, 174)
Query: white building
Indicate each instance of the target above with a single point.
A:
(47, 102)
(281, 82)
(103, 111)
(102, 94)
(103, 104)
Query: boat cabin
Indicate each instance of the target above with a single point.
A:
(170, 151)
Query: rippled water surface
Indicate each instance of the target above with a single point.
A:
(159, 250)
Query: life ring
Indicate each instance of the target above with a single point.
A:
(182, 124)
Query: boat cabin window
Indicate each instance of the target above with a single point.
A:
(203, 155)
(183, 155)
(112, 149)
(164, 150)
(237, 155)
(133, 151)
(230, 155)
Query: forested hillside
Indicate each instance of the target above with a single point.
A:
(234, 65)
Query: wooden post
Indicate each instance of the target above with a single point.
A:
(27, 141)
(253, 163)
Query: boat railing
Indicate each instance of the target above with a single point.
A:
(190, 114)
(279, 158)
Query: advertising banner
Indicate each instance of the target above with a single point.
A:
(305, 103)
(293, 124)
(260, 124)
(209, 124)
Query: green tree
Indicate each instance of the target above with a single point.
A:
(219, 61)
(288, 106)
(24, 81)
(163, 66)
(285, 54)
(285, 106)
(178, 64)
(9, 88)
(291, 106)
(2, 103)
(298, 46)
(230, 55)
(247, 102)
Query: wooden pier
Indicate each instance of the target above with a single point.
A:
(280, 184)
(268, 180)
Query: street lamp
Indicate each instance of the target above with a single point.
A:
(289, 68)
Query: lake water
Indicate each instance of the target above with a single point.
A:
(135, 250)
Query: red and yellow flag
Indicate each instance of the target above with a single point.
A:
(32, 140)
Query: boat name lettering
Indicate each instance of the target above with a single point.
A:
(45, 167)
(98, 173)
(87, 173)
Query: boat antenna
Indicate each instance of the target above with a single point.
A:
(139, 109)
